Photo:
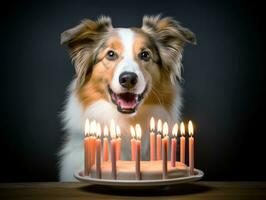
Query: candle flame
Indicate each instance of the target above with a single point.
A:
(132, 131)
(105, 131)
(152, 124)
(112, 129)
(190, 128)
(93, 127)
(99, 130)
(138, 131)
(87, 127)
(159, 125)
(165, 129)
(175, 130)
(118, 131)
(182, 128)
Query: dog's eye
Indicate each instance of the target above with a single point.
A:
(111, 55)
(145, 55)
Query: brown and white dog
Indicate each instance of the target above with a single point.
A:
(125, 74)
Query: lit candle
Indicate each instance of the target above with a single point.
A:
(87, 163)
(118, 142)
(164, 149)
(92, 141)
(191, 147)
(133, 142)
(98, 151)
(159, 140)
(173, 145)
(167, 140)
(113, 148)
(138, 149)
(105, 144)
(182, 143)
(152, 139)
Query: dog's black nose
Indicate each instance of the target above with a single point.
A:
(128, 79)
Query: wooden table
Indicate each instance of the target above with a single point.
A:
(197, 190)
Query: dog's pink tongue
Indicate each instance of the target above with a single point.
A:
(127, 104)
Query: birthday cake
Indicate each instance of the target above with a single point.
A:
(98, 164)
(150, 170)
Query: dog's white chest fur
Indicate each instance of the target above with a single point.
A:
(72, 153)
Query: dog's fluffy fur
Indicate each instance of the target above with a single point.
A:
(90, 93)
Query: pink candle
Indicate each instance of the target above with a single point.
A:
(164, 150)
(87, 163)
(191, 148)
(118, 143)
(167, 146)
(105, 144)
(182, 143)
(173, 145)
(138, 149)
(133, 143)
(159, 140)
(152, 139)
(93, 141)
(98, 152)
(113, 149)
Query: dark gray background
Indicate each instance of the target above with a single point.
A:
(224, 82)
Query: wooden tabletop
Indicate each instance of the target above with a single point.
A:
(198, 190)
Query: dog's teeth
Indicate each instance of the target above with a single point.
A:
(126, 102)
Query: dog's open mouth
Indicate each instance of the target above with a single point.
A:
(126, 102)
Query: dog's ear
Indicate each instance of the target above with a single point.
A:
(170, 37)
(168, 29)
(82, 41)
(87, 30)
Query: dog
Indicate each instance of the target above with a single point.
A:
(125, 74)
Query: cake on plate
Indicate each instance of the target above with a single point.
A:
(150, 170)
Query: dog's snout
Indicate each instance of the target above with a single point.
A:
(128, 79)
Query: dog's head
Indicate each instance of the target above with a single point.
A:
(125, 65)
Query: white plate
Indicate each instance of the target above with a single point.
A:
(198, 174)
